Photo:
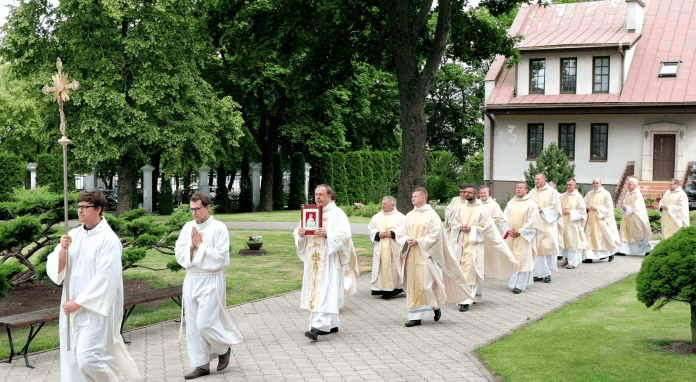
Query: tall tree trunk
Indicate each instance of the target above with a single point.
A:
(266, 201)
(125, 185)
(412, 149)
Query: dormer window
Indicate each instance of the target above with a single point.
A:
(669, 68)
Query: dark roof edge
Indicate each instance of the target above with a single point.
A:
(599, 108)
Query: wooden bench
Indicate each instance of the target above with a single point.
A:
(41, 317)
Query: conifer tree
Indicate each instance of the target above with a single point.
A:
(354, 171)
(297, 182)
(278, 184)
(340, 178)
(246, 199)
(553, 162)
(165, 203)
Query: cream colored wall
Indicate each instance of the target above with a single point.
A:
(584, 72)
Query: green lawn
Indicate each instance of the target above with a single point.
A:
(275, 216)
(248, 278)
(607, 336)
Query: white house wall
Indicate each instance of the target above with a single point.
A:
(584, 72)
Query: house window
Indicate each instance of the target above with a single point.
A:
(669, 68)
(599, 141)
(601, 75)
(569, 70)
(566, 139)
(537, 75)
(535, 139)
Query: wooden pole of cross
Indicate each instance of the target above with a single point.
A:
(60, 90)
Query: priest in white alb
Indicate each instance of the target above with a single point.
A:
(454, 204)
(493, 208)
(522, 227)
(602, 236)
(330, 266)
(635, 226)
(574, 213)
(203, 249)
(549, 245)
(674, 207)
(95, 304)
(387, 277)
(469, 227)
(432, 276)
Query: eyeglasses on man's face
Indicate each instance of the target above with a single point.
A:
(195, 209)
(595, 182)
(85, 207)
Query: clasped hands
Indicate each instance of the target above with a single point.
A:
(412, 242)
(385, 235)
(321, 232)
(566, 211)
(465, 228)
(513, 232)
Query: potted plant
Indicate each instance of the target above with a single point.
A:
(254, 242)
(357, 207)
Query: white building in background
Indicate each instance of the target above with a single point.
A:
(613, 83)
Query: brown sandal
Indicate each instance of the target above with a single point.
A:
(570, 267)
(564, 263)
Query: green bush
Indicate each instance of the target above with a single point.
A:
(165, 202)
(553, 162)
(246, 201)
(443, 176)
(49, 172)
(324, 172)
(11, 174)
(669, 274)
(40, 202)
(340, 178)
(222, 201)
(354, 172)
(297, 182)
(368, 176)
(7, 272)
(133, 214)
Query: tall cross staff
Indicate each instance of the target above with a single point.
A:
(60, 90)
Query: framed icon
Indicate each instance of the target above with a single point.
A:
(311, 218)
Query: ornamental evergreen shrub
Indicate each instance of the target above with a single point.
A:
(246, 201)
(7, 272)
(380, 170)
(669, 274)
(325, 168)
(368, 179)
(354, 171)
(49, 172)
(222, 201)
(297, 182)
(340, 178)
(553, 162)
(11, 174)
(165, 202)
(278, 184)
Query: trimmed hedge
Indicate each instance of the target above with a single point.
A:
(297, 182)
(356, 179)
(340, 178)
(325, 168)
(11, 174)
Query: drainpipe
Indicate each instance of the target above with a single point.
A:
(490, 159)
(623, 58)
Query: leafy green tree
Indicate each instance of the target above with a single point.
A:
(340, 178)
(246, 197)
(453, 110)
(669, 274)
(11, 174)
(553, 162)
(354, 172)
(297, 182)
(165, 204)
(139, 68)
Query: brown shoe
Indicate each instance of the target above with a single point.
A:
(197, 372)
(564, 263)
(224, 360)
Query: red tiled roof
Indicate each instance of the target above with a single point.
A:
(668, 33)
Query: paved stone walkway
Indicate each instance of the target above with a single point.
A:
(372, 344)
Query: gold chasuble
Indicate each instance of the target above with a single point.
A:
(476, 261)
(635, 226)
(574, 224)
(549, 240)
(602, 235)
(386, 258)
(453, 206)
(522, 214)
(432, 276)
(331, 266)
(674, 207)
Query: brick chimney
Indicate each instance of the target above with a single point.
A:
(635, 15)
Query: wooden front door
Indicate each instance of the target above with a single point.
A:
(663, 156)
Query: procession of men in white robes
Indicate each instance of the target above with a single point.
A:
(330, 266)
(674, 207)
(203, 249)
(635, 226)
(96, 351)
(469, 227)
(387, 272)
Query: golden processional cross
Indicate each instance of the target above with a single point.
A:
(60, 90)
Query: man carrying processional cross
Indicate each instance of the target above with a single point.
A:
(330, 266)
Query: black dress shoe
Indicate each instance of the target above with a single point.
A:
(313, 334)
(332, 331)
(197, 372)
(396, 292)
(547, 279)
(413, 323)
(516, 290)
(538, 278)
(224, 360)
(377, 292)
(463, 307)
(438, 314)
(387, 296)
(587, 261)
(611, 258)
